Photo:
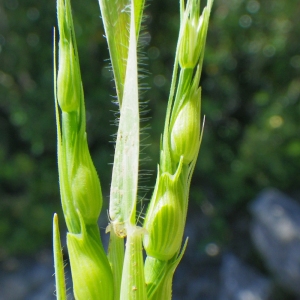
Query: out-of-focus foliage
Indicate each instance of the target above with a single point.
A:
(251, 87)
(28, 168)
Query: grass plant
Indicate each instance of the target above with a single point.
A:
(122, 273)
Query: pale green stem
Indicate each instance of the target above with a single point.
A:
(133, 285)
(116, 260)
(58, 262)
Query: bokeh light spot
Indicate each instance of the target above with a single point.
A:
(245, 21)
(276, 121)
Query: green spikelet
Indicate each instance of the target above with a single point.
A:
(186, 125)
(165, 217)
(85, 184)
(69, 91)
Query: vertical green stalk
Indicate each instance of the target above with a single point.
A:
(116, 258)
(133, 285)
(58, 262)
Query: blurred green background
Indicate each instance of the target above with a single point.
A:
(251, 87)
